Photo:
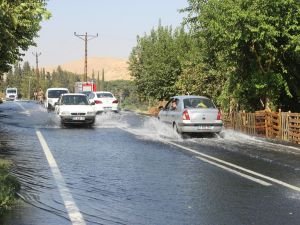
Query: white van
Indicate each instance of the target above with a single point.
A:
(11, 94)
(52, 95)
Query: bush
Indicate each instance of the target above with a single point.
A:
(9, 186)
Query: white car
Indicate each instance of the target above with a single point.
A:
(52, 95)
(104, 101)
(74, 108)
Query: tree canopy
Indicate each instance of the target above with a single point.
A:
(154, 63)
(19, 24)
(259, 43)
(245, 54)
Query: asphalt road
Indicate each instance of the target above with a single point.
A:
(131, 169)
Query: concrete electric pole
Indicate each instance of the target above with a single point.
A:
(86, 38)
(37, 72)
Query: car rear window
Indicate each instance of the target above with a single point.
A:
(104, 95)
(56, 93)
(198, 103)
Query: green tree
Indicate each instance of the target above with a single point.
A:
(255, 42)
(155, 65)
(19, 24)
(28, 81)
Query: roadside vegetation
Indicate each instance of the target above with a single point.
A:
(9, 186)
(244, 54)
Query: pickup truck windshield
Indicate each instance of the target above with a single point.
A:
(11, 91)
(56, 93)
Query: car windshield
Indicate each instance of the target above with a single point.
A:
(104, 95)
(198, 103)
(56, 93)
(74, 100)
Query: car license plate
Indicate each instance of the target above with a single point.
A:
(78, 118)
(205, 127)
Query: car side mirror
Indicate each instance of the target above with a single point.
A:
(160, 107)
(56, 103)
(92, 103)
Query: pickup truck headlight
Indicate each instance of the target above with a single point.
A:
(90, 113)
(64, 113)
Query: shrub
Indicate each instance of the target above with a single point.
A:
(9, 186)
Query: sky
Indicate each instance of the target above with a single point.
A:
(117, 23)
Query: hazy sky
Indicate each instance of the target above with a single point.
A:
(117, 22)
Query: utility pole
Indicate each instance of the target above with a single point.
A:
(29, 88)
(102, 82)
(98, 82)
(37, 73)
(86, 38)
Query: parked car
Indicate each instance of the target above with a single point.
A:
(191, 114)
(74, 108)
(104, 101)
(52, 95)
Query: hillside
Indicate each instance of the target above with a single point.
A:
(114, 68)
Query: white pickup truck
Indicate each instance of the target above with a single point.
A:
(11, 94)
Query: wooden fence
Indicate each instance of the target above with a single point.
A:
(278, 125)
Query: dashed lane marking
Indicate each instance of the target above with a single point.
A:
(26, 112)
(72, 209)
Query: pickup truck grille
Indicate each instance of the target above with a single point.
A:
(77, 114)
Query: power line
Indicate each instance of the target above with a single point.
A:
(86, 38)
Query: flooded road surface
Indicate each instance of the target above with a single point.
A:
(131, 169)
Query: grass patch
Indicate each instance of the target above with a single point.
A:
(9, 186)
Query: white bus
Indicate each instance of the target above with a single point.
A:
(11, 94)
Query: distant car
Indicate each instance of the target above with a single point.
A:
(11, 94)
(104, 101)
(191, 114)
(52, 95)
(74, 108)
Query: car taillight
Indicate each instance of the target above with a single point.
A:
(219, 116)
(185, 115)
(115, 101)
(98, 102)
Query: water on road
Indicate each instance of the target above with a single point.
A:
(124, 170)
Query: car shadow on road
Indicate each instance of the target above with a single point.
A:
(201, 135)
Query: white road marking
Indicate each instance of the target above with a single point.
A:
(27, 113)
(73, 211)
(295, 188)
(276, 181)
(236, 172)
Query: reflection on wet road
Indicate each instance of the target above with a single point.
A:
(131, 169)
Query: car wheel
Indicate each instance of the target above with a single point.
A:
(175, 128)
(62, 124)
(220, 134)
